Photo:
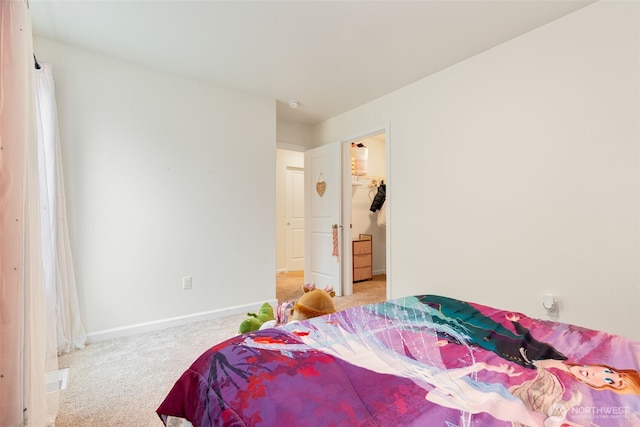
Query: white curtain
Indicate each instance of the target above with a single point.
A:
(37, 291)
(59, 277)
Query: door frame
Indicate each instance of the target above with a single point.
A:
(347, 250)
(347, 265)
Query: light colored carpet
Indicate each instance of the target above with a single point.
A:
(121, 382)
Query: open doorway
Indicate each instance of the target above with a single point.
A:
(289, 210)
(368, 214)
(357, 219)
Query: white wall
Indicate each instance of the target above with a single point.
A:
(292, 135)
(166, 177)
(516, 172)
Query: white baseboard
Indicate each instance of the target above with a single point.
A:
(157, 325)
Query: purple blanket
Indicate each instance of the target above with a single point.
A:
(418, 361)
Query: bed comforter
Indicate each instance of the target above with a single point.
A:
(424, 360)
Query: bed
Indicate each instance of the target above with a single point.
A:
(423, 360)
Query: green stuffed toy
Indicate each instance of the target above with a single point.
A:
(254, 321)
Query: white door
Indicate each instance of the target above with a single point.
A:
(323, 196)
(295, 219)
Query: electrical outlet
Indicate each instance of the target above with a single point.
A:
(187, 282)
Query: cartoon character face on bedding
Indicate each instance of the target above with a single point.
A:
(598, 377)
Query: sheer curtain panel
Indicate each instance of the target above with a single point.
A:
(59, 277)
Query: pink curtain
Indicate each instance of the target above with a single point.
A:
(23, 359)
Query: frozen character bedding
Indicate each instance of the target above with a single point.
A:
(424, 360)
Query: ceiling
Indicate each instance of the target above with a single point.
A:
(330, 56)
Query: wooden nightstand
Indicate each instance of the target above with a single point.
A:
(363, 258)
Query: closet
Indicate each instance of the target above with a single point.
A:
(368, 219)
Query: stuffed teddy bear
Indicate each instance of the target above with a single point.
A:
(255, 320)
(315, 302)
